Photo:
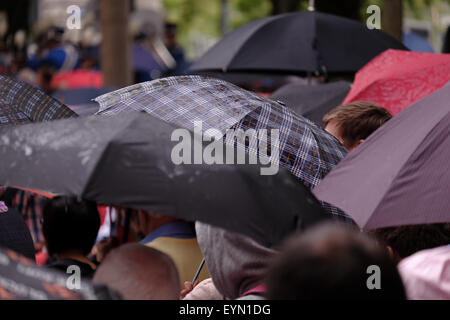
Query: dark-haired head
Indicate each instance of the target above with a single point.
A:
(333, 261)
(403, 241)
(70, 224)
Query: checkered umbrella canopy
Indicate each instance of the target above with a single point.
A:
(305, 149)
(22, 103)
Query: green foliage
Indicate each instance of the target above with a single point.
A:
(194, 14)
(244, 11)
(195, 19)
(201, 18)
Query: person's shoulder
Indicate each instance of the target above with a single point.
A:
(65, 264)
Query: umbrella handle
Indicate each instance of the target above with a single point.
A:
(200, 267)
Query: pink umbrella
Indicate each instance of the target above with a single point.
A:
(396, 79)
(77, 79)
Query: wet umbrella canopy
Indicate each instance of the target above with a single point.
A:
(297, 43)
(306, 150)
(22, 103)
(396, 79)
(21, 279)
(312, 101)
(14, 233)
(400, 174)
(127, 160)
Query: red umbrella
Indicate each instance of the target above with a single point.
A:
(77, 79)
(396, 79)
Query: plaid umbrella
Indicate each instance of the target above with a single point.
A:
(22, 103)
(306, 150)
(14, 234)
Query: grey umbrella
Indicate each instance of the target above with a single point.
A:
(312, 101)
(400, 175)
(128, 161)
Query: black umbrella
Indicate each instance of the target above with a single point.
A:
(22, 103)
(298, 43)
(21, 279)
(312, 101)
(127, 161)
(14, 234)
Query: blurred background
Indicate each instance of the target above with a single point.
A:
(121, 42)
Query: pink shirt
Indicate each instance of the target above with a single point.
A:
(426, 274)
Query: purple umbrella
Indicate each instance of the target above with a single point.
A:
(400, 175)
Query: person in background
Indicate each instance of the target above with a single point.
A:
(404, 241)
(138, 272)
(50, 55)
(70, 227)
(237, 263)
(175, 50)
(352, 123)
(174, 237)
(426, 274)
(332, 261)
(147, 65)
(53, 52)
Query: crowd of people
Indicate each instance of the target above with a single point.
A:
(158, 256)
(50, 55)
(150, 256)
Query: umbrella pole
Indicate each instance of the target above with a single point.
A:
(200, 267)
(311, 6)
